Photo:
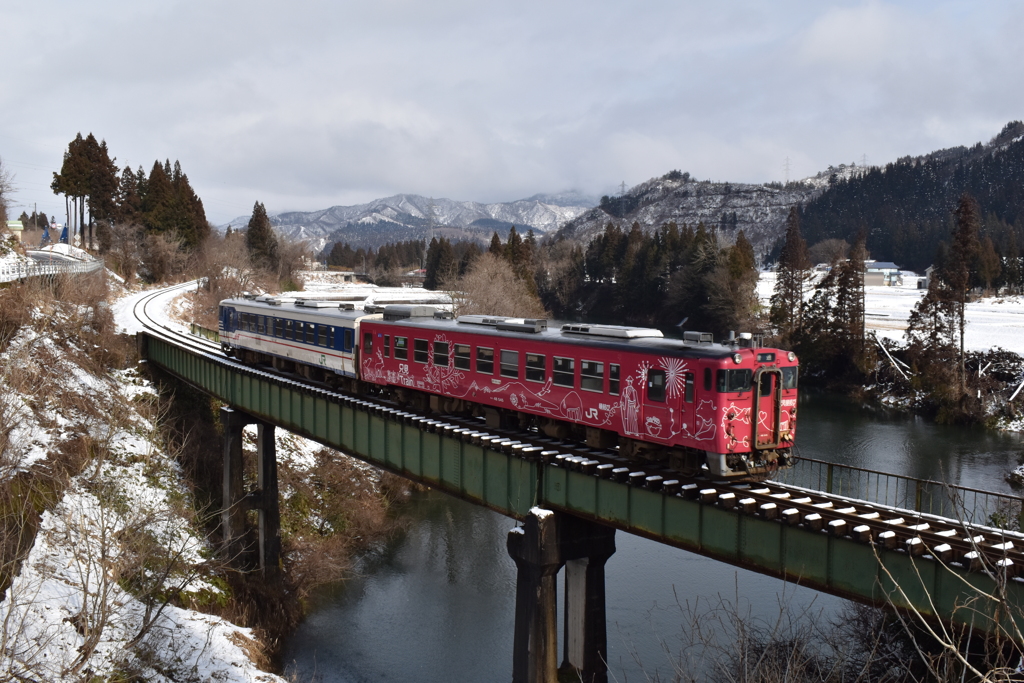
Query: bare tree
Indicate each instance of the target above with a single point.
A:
(6, 188)
(490, 287)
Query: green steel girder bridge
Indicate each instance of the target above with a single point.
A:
(931, 551)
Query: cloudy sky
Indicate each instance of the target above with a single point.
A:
(311, 103)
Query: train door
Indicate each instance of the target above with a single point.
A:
(656, 416)
(687, 417)
(767, 397)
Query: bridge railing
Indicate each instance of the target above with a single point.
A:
(23, 269)
(205, 332)
(970, 505)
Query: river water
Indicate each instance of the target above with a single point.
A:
(437, 604)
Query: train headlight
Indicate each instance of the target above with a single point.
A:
(737, 358)
(792, 356)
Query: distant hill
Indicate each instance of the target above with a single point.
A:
(759, 210)
(906, 207)
(406, 216)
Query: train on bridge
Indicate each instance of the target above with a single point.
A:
(726, 410)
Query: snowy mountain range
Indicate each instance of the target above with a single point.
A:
(408, 216)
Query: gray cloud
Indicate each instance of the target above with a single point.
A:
(319, 103)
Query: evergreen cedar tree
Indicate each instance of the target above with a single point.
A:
(787, 302)
(163, 203)
(261, 242)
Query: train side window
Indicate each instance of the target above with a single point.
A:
(402, 348)
(613, 379)
(789, 378)
(462, 356)
(733, 381)
(485, 360)
(441, 354)
(348, 340)
(420, 350)
(591, 375)
(310, 333)
(564, 374)
(387, 346)
(367, 342)
(707, 379)
(322, 329)
(278, 327)
(510, 364)
(288, 330)
(261, 326)
(535, 367)
(656, 385)
(688, 382)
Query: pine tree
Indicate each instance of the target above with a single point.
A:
(496, 247)
(261, 241)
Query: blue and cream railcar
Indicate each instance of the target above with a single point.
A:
(312, 337)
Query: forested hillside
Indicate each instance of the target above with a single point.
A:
(905, 208)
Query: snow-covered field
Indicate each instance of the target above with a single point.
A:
(991, 321)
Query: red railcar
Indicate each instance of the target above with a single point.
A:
(688, 402)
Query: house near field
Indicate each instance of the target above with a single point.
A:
(882, 273)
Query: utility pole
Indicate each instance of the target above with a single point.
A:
(622, 188)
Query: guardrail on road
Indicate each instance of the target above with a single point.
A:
(23, 269)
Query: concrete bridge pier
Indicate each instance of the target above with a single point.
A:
(267, 503)
(236, 502)
(547, 541)
(585, 643)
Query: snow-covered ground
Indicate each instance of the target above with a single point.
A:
(991, 321)
(87, 602)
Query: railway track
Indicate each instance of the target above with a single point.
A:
(972, 546)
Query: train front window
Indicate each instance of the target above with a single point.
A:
(535, 367)
(656, 385)
(591, 375)
(402, 348)
(441, 354)
(485, 360)
(510, 364)
(688, 380)
(564, 374)
(789, 378)
(732, 381)
(367, 342)
(765, 388)
(613, 379)
(462, 356)
(420, 350)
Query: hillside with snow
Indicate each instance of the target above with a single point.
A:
(759, 210)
